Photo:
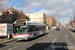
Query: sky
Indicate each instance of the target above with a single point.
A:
(62, 10)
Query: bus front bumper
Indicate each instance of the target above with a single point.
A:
(25, 38)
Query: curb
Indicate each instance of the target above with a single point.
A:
(7, 41)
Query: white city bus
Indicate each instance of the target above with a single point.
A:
(25, 30)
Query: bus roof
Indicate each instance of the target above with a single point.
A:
(21, 21)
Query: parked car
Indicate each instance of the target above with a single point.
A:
(73, 29)
(57, 29)
(70, 27)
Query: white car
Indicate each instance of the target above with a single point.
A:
(53, 27)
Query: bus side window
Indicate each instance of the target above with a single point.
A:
(37, 28)
(32, 28)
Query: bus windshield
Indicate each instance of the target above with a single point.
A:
(20, 29)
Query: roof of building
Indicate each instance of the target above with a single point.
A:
(50, 17)
(36, 13)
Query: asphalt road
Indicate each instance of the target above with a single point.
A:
(54, 40)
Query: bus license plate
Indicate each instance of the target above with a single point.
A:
(19, 36)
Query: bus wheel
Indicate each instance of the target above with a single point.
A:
(34, 35)
(44, 33)
(8, 36)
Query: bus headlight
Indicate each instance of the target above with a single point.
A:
(2, 32)
(13, 36)
(27, 36)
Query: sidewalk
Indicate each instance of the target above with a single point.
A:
(5, 40)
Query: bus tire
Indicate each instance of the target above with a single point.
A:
(34, 35)
(44, 33)
(8, 36)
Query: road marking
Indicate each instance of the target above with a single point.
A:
(57, 36)
(12, 48)
(53, 42)
(27, 42)
(50, 35)
(67, 36)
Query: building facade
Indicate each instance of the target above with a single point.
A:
(71, 23)
(10, 15)
(58, 24)
(51, 21)
(39, 17)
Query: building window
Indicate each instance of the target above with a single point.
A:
(5, 19)
(5, 13)
(9, 18)
(15, 12)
